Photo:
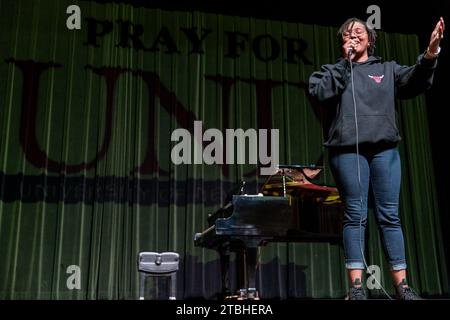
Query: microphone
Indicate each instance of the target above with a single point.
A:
(349, 52)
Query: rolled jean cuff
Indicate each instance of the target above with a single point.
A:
(354, 265)
(398, 266)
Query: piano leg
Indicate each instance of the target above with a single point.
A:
(224, 252)
(246, 261)
(241, 269)
(251, 259)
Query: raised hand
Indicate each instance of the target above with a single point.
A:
(436, 36)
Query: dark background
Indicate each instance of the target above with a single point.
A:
(400, 17)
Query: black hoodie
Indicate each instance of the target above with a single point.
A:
(376, 84)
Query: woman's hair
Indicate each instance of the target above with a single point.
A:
(372, 35)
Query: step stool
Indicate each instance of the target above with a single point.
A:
(156, 264)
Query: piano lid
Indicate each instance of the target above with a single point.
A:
(298, 180)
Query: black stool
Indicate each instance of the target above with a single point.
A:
(156, 264)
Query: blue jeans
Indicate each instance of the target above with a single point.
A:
(379, 166)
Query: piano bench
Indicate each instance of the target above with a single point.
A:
(156, 264)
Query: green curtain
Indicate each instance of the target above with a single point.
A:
(86, 118)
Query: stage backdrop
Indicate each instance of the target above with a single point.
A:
(86, 177)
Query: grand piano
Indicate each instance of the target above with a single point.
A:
(291, 207)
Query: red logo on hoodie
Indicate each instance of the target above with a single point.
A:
(377, 79)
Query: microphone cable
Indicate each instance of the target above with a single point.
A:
(359, 172)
